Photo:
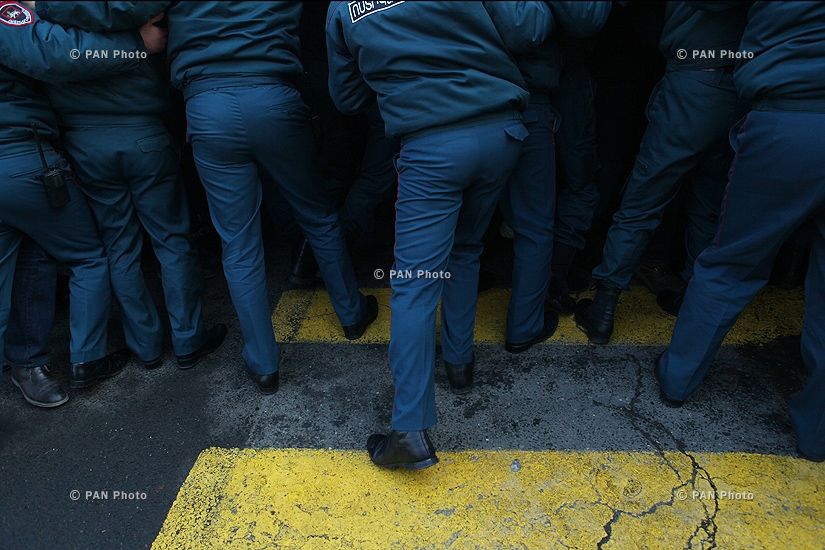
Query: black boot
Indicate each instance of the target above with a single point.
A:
(411, 450)
(305, 267)
(595, 317)
(38, 385)
(558, 296)
(89, 373)
(460, 376)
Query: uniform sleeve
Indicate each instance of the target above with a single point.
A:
(350, 93)
(522, 25)
(580, 19)
(100, 16)
(48, 52)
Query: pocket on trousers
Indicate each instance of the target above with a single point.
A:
(154, 143)
(517, 131)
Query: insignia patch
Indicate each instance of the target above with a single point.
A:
(15, 15)
(359, 10)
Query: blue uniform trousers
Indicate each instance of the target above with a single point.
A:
(131, 178)
(448, 185)
(777, 182)
(576, 194)
(528, 204)
(238, 129)
(690, 113)
(69, 234)
(32, 307)
(376, 180)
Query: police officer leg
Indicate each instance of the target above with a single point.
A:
(577, 162)
(291, 161)
(70, 235)
(528, 205)
(808, 407)
(30, 326)
(762, 193)
(160, 204)
(9, 244)
(377, 180)
(689, 112)
(230, 176)
(96, 154)
(494, 162)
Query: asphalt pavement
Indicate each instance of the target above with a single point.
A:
(105, 470)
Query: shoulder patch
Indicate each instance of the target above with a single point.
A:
(15, 15)
(359, 10)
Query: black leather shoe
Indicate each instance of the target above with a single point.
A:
(806, 456)
(558, 297)
(305, 267)
(595, 317)
(356, 331)
(460, 376)
(551, 323)
(670, 402)
(411, 450)
(670, 302)
(658, 278)
(153, 363)
(38, 385)
(213, 342)
(267, 384)
(83, 375)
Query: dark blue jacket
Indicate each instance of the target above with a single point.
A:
(787, 71)
(691, 29)
(431, 64)
(207, 39)
(541, 66)
(140, 92)
(40, 50)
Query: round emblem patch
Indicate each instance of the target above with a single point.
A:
(15, 15)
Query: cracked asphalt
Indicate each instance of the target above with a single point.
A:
(566, 445)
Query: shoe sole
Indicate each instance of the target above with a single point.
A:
(39, 403)
(461, 391)
(420, 465)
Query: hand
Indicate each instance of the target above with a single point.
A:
(154, 38)
(29, 4)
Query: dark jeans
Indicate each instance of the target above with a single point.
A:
(32, 307)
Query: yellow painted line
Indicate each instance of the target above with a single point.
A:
(307, 316)
(293, 498)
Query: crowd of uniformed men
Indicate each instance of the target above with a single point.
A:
(465, 108)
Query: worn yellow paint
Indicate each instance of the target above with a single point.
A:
(294, 498)
(307, 316)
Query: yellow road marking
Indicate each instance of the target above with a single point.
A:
(307, 316)
(294, 498)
